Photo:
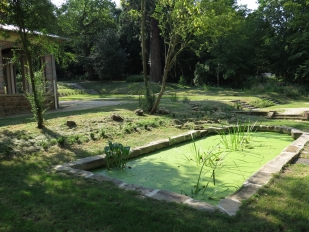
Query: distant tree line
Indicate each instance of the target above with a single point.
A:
(229, 44)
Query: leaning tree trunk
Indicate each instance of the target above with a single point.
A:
(144, 56)
(38, 106)
(155, 61)
(218, 76)
(169, 61)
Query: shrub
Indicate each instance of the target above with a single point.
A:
(61, 140)
(116, 155)
(135, 78)
(146, 104)
(261, 103)
(182, 81)
(200, 74)
(107, 56)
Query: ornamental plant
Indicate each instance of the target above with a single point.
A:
(116, 155)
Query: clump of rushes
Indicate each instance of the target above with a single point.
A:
(238, 137)
(116, 155)
(61, 141)
(209, 162)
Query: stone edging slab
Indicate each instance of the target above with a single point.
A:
(228, 205)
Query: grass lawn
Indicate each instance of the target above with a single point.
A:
(34, 198)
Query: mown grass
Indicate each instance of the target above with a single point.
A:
(34, 198)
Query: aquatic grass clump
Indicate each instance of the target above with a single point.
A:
(238, 137)
(116, 155)
(212, 159)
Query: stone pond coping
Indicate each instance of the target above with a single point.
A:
(228, 205)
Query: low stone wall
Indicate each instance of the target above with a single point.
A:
(229, 205)
(11, 104)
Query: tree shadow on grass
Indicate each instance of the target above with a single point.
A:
(22, 119)
(33, 200)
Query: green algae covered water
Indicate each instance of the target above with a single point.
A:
(175, 169)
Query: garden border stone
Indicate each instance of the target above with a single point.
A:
(230, 204)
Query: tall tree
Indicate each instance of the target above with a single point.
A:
(82, 21)
(108, 59)
(178, 22)
(155, 52)
(31, 16)
(219, 20)
(131, 20)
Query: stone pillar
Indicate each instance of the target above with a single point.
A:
(1, 75)
(11, 84)
(49, 73)
(51, 78)
(24, 72)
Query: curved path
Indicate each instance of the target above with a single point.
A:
(82, 105)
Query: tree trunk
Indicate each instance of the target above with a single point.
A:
(38, 106)
(155, 106)
(155, 61)
(218, 76)
(169, 61)
(144, 57)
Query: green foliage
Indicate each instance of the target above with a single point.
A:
(84, 21)
(182, 81)
(185, 100)
(135, 78)
(102, 133)
(45, 144)
(61, 140)
(146, 102)
(237, 105)
(261, 103)
(29, 17)
(116, 155)
(209, 162)
(291, 91)
(178, 21)
(107, 56)
(174, 97)
(76, 138)
(238, 137)
(201, 73)
(40, 99)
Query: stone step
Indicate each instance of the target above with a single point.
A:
(286, 117)
(272, 100)
(244, 104)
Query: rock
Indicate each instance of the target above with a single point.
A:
(139, 112)
(198, 127)
(71, 124)
(116, 117)
(163, 111)
(177, 121)
(196, 108)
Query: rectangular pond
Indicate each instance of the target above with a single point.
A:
(176, 169)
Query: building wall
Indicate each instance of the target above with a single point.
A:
(11, 104)
(17, 103)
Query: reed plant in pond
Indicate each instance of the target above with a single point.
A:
(209, 162)
(237, 137)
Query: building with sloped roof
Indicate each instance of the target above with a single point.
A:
(13, 81)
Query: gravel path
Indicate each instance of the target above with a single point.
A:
(294, 110)
(82, 105)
